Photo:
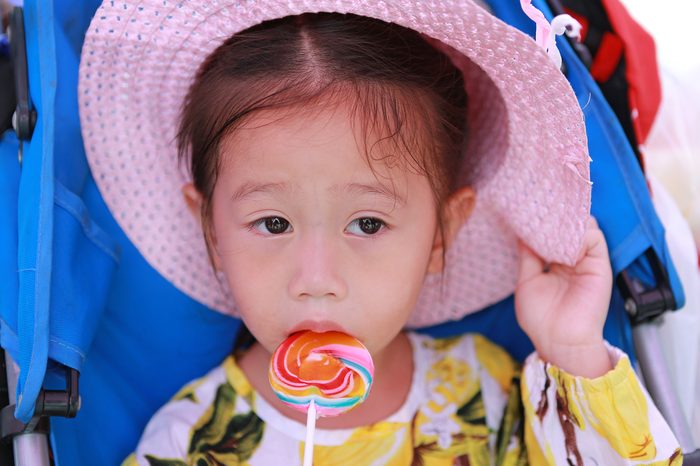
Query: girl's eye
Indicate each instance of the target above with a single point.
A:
(365, 226)
(272, 225)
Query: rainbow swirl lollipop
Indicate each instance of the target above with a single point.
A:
(331, 369)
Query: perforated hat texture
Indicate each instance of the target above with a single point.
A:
(526, 155)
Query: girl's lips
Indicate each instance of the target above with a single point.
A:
(318, 326)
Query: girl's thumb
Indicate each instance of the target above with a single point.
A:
(529, 264)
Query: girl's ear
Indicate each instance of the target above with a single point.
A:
(455, 212)
(193, 199)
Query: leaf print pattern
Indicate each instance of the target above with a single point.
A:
(511, 428)
(188, 392)
(385, 443)
(452, 421)
(442, 345)
(473, 411)
(568, 422)
(221, 439)
(153, 461)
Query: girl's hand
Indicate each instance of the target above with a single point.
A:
(562, 309)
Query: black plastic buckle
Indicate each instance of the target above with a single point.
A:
(49, 403)
(642, 304)
(59, 402)
(24, 118)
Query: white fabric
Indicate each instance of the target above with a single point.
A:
(680, 330)
(672, 150)
(672, 159)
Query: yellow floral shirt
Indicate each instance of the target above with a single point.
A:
(466, 406)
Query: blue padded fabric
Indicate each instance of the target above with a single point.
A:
(9, 282)
(64, 261)
(35, 218)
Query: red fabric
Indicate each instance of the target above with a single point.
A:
(642, 69)
(608, 57)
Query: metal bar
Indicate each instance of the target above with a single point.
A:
(657, 381)
(692, 459)
(30, 448)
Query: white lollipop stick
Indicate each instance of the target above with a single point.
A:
(310, 431)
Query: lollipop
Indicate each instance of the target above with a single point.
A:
(322, 374)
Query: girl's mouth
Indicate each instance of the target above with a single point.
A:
(318, 326)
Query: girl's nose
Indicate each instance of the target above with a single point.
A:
(318, 271)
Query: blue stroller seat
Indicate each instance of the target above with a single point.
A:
(76, 294)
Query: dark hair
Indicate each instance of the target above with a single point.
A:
(396, 82)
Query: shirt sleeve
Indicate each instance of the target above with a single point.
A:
(608, 420)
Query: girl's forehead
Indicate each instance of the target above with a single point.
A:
(330, 141)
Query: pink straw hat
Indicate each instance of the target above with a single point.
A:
(527, 142)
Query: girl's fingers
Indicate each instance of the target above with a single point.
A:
(529, 264)
(594, 258)
(594, 245)
(593, 250)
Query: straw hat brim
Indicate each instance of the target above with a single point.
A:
(526, 155)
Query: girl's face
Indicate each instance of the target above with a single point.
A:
(310, 237)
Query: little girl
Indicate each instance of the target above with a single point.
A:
(365, 168)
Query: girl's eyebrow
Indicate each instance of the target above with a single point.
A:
(249, 188)
(375, 189)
